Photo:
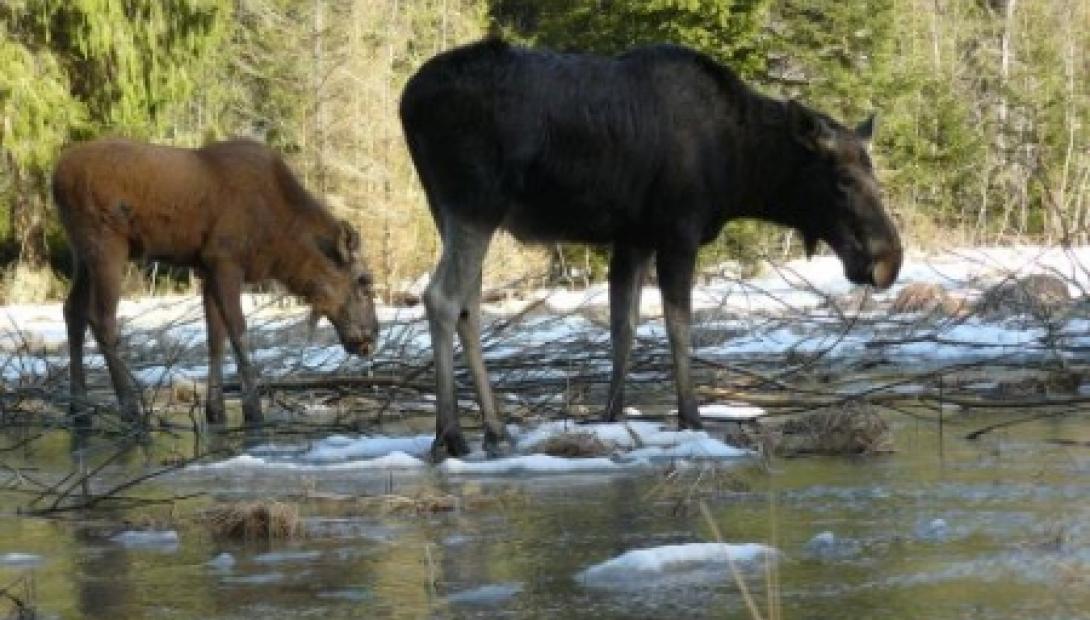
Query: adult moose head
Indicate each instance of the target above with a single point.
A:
(234, 212)
(650, 152)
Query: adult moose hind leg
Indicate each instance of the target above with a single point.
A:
(449, 292)
(627, 267)
(104, 269)
(675, 272)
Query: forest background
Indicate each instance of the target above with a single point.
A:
(983, 106)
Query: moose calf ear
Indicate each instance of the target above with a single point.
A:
(865, 130)
(348, 243)
(809, 129)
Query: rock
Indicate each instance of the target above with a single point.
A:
(1037, 295)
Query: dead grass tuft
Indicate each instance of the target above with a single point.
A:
(852, 429)
(576, 445)
(259, 520)
(927, 297)
(23, 284)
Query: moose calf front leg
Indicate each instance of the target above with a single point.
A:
(227, 286)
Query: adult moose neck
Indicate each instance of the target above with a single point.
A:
(766, 178)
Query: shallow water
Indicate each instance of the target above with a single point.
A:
(997, 528)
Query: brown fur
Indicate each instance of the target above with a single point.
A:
(234, 212)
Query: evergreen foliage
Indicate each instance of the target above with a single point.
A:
(983, 107)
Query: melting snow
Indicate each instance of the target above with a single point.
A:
(638, 564)
(637, 444)
(160, 540)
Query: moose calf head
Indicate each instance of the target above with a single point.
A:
(346, 297)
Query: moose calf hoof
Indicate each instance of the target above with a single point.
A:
(80, 416)
(215, 414)
(132, 414)
(498, 445)
(251, 412)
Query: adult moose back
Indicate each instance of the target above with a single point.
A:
(231, 210)
(650, 152)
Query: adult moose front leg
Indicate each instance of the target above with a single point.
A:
(675, 271)
(469, 333)
(447, 300)
(627, 267)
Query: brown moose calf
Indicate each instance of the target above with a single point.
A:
(233, 212)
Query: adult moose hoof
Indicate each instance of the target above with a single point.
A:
(690, 422)
(451, 444)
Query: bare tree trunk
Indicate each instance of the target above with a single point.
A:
(319, 118)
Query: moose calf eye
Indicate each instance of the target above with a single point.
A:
(365, 280)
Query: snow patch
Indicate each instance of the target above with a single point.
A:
(159, 540)
(637, 565)
(20, 560)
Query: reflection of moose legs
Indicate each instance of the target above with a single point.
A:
(222, 296)
(452, 300)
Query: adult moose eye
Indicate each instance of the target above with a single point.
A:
(844, 183)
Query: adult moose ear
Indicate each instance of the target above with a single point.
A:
(348, 243)
(865, 130)
(809, 129)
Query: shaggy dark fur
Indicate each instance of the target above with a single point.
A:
(650, 152)
(235, 213)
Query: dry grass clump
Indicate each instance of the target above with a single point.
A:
(23, 284)
(258, 520)
(927, 297)
(576, 445)
(423, 504)
(429, 502)
(852, 429)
